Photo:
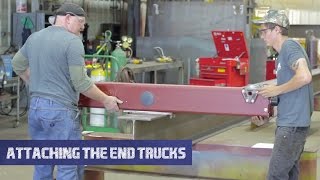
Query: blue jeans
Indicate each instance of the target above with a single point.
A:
(288, 147)
(49, 120)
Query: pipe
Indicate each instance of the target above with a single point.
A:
(130, 51)
(143, 14)
(9, 23)
(1, 27)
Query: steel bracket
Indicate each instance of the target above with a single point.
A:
(250, 92)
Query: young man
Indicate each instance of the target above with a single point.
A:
(295, 93)
(51, 62)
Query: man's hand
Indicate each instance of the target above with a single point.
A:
(269, 91)
(111, 103)
(259, 120)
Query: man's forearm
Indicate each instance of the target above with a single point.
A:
(83, 84)
(293, 84)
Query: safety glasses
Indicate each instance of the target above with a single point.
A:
(81, 19)
(263, 32)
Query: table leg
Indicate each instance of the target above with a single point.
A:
(155, 76)
(143, 77)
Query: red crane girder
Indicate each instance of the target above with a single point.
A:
(181, 98)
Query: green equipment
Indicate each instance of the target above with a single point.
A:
(121, 56)
(111, 63)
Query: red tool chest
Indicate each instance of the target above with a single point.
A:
(231, 65)
(270, 69)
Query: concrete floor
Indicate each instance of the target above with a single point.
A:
(7, 132)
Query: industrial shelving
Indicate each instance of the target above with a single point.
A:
(5, 96)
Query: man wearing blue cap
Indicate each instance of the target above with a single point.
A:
(295, 93)
(52, 63)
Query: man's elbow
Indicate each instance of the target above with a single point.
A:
(82, 86)
(306, 79)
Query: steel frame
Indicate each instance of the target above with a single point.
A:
(181, 98)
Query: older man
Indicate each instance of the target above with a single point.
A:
(51, 62)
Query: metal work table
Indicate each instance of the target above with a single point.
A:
(5, 96)
(153, 66)
(142, 116)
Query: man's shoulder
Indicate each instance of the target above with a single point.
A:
(58, 31)
(292, 43)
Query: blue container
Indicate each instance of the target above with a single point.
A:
(6, 59)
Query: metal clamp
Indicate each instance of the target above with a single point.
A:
(250, 92)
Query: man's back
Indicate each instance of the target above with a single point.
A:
(50, 53)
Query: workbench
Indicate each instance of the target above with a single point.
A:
(153, 66)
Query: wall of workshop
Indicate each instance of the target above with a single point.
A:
(303, 14)
(290, 4)
(6, 6)
(195, 19)
(183, 30)
(99, 12)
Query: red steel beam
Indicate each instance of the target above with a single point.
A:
(181, 98)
